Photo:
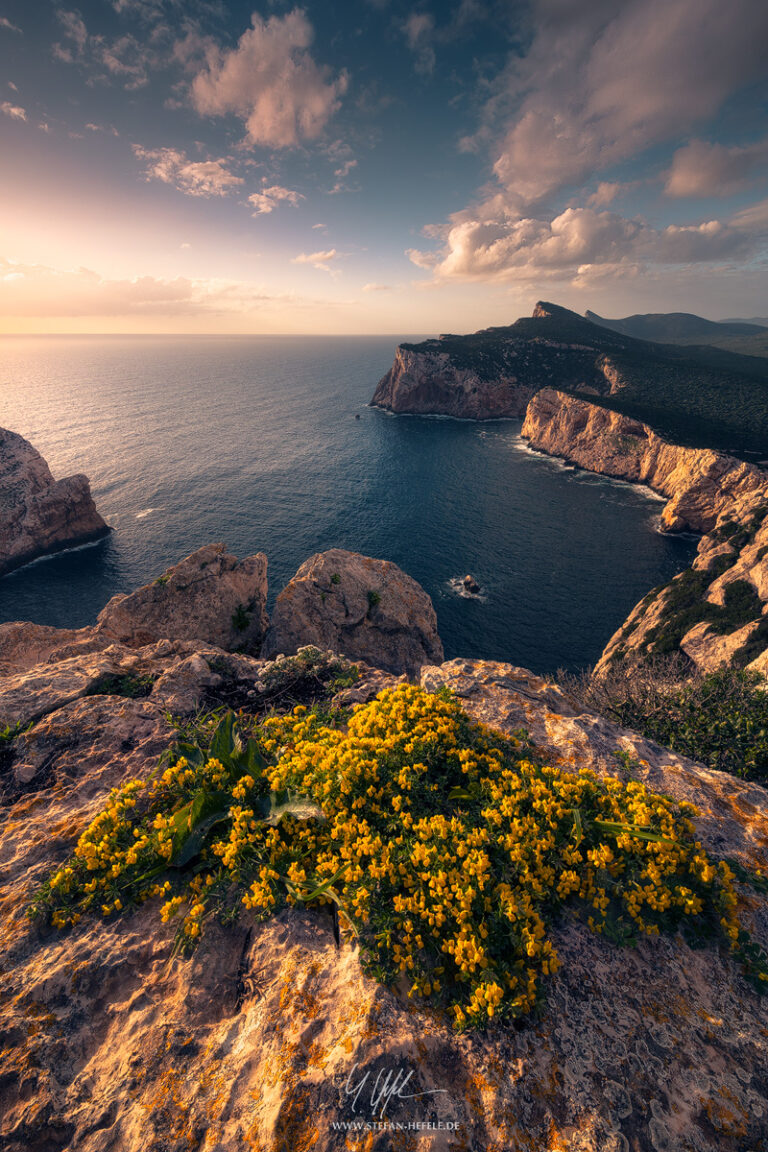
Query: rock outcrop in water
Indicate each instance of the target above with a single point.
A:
(364, 608)
(260, 1038)
(40, 515)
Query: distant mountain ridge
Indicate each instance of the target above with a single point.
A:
(749, 337)
(698, 395)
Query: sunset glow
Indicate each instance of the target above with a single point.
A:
(376, 166)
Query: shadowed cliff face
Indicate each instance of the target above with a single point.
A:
(40, 515)
(261, 1038)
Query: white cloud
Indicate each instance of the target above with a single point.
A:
(605, 193)
(12, 110)
(269, 198)
(605, 80)
(419, 30)
(9, 27)
(194, 177)
(704, 169)
(377, 287)
(319, 260)
(531, 248)
(272, 82)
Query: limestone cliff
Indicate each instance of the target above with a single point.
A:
(699, 483)
(40, 515)
(715, 612)
(496, 371)
(427, 381)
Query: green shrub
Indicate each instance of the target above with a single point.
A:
(719, 719)
(241, 618)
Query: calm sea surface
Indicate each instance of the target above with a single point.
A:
(254, 441)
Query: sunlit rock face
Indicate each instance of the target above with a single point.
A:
(40, 515)
(366, 609)
(269, 1037)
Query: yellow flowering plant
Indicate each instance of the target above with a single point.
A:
(449, 849)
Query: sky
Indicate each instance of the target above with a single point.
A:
(378, 166)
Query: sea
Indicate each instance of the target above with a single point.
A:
(255, 441)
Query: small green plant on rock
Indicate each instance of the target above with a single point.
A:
(133, 687)
(241, 618)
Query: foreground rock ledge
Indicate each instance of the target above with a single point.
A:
(109, 1048)
(40, 515)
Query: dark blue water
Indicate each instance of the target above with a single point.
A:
(254, 441)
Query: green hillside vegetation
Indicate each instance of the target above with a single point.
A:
(698, 395)
(747, 337)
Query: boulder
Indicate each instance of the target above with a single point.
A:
(365, 609)
(40, 515)
(209, 595)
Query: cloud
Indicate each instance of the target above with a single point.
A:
(272, 82)
(377, 287)
(605, 193)
(35, 290)
(12, 110)
(606, 80)
(126, 58)
(269, 198)
(419, 31)
(319, 260)
(703, 169)
(110, 130)
(193, 177)
(341, 176)
(531, 248)
(9, 27)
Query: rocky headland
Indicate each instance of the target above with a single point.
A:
(581, 388)
(261, 1037)
(40, 515)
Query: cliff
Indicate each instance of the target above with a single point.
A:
(427, 381)
(40, 515)
(700, 484)
(699, 395)
(717, 611)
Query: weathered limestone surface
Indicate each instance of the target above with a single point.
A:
(40, 515)
(207, 596)
(699, 483)
(259, 1040)
(364, 608)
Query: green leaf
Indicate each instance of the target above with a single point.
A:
(223, 740)
(459, 794)
(631, 830)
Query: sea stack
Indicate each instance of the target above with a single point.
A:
(40, 515)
